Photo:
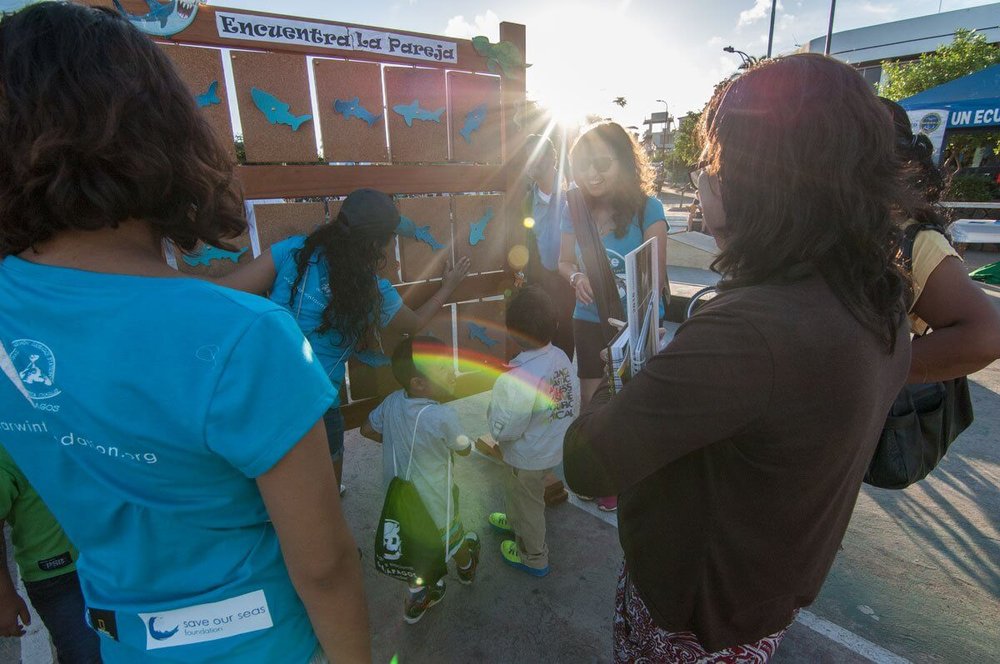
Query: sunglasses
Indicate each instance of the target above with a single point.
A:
(600, 164)
(699, 170)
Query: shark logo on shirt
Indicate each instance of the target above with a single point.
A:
(35, 365)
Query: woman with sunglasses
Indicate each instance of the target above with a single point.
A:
(611, 171)
(738, 451)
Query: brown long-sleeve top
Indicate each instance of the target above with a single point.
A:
(737, 454)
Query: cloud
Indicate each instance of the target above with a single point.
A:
(487, 24)
(761, 9)
(881, 10)
(716, 41)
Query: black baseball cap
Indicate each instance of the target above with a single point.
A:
(370, 211)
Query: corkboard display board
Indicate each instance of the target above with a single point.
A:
(419, 261)
(284, 78)
(277, 221)
(482, 333)
(424, 140)
(348, 137)
(489, 253)
(206, 261)
(201, 69)
(475, 112)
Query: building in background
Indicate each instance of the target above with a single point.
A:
(867, 48)
(658, 139)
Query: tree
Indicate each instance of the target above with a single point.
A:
(968, 53)
(687, 147)
(621, 101)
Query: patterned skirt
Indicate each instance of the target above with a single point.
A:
(639, 641)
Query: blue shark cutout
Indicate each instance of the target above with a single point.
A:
(478, 332)
(210, 96)
(352, 108)
(477, 230)
(407, 228)
(277, 111)
(473, 121)
(209, 254)
(157, 634)
(412, 111)
(373, 358)
(164, 18)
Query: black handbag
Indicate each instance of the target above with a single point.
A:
(924, 420)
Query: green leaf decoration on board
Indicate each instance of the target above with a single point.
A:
(503, 57)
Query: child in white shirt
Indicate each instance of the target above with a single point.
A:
(531, 408)
(413, 421)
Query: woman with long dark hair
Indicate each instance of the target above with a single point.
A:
(738, 451)
(329, 281)
(613, 175)
(173, 427)
(966, 326)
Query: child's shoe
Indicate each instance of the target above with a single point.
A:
(511, 556)
(499, 522)
(468, 575)
(609, 504)
(418, 602)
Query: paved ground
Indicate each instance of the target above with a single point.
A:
(918, 576)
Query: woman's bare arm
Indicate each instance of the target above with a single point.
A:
(301, 496)
(965, 324)
(255, 277)
(410, 321)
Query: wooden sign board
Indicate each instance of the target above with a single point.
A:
(416, 96)
(283, 131)
(356, 133)
(476, 117)
(480, 231)
(419, 260)
(201, 69)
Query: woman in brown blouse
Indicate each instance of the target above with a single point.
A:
(737, 453)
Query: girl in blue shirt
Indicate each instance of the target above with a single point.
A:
(329, 281)
(173, 428)
(614, 175)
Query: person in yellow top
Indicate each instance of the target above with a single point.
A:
(966, 325)
(47, 561)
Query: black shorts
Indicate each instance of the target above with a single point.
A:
(590, 341)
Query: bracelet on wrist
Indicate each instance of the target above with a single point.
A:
(573, 278)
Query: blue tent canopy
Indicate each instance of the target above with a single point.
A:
(971, 101)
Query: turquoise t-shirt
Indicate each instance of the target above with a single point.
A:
(142, 409)
(616, 248)
(331, 348)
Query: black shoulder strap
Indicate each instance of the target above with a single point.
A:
(595, 261)
(910, 237)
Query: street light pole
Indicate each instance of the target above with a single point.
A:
(747, 59)
(829, 29)
(666, 123)
(770, 34)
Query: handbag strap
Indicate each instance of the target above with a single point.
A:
(595, 262)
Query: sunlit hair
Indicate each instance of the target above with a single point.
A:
(97, 128)
(805, 156)
(635, 181)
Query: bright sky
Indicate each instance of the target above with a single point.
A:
(587, 52)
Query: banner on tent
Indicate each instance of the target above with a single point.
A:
(932, 123)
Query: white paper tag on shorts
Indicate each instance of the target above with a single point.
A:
(207, 622)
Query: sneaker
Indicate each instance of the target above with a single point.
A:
(468, 575)
(499, 522)
(511, 556)
(417, 603)
(609, 504)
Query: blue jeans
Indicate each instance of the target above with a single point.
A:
(60, 604)
(334, 421)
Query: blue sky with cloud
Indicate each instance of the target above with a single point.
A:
(587, 52)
